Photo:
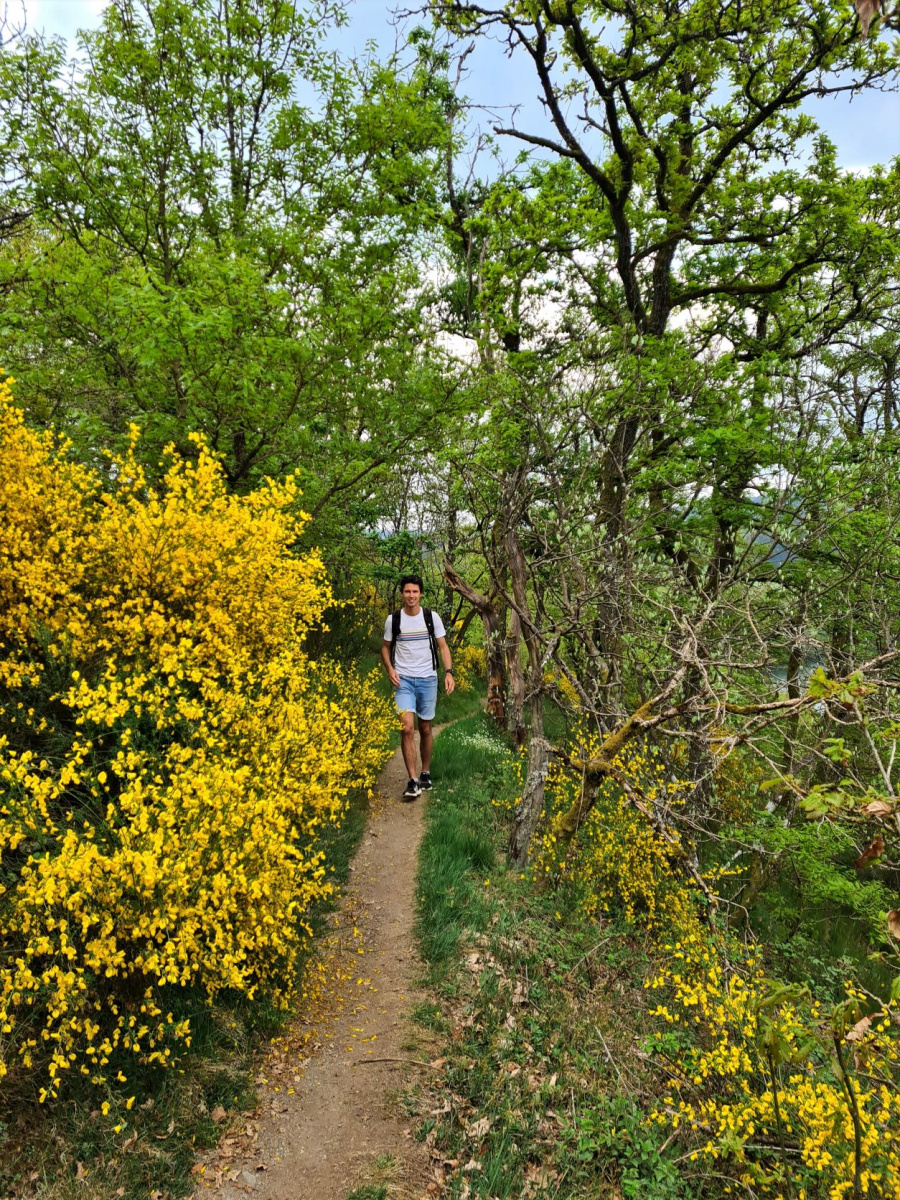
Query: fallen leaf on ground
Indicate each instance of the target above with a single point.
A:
(859, 1030)
(538, 1179)
(874, 850)
(879, 808)
(478, 1129)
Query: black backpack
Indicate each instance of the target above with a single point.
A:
(429, 625)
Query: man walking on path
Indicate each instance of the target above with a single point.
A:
(413, 639)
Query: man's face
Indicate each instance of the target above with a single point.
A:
(411, 595)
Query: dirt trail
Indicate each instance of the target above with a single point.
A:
(329, 1109)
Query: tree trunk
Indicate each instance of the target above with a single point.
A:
(792, 723)
(611, 514)
(452, 543)
(516, 714)
(493, 641)
(530, 807)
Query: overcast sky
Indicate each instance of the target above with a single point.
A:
(866, 130)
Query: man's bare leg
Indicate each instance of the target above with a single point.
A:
(408, 744)
(426, 742)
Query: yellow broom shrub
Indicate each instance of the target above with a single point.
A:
(171, 761)
(772, 1091)
(617, 862)
(470, 666)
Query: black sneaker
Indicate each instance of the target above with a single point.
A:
(425, 781)
(413, 791)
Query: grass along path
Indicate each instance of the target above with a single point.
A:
(541, 1014)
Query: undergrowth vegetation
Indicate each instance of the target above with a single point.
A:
(608, 1035)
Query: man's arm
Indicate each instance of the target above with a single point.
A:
(386, 660)
(447, 660)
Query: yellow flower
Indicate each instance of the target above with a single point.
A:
(179, 834)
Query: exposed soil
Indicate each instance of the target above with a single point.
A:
(330, 1116)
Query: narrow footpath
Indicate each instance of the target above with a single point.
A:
(331, 1117)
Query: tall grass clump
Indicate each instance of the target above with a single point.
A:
(457, 853)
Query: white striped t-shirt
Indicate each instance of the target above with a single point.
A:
(413, 654)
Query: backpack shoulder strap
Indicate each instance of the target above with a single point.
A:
(395, 632)
(432, 640)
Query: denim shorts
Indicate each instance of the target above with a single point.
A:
(418, 696)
